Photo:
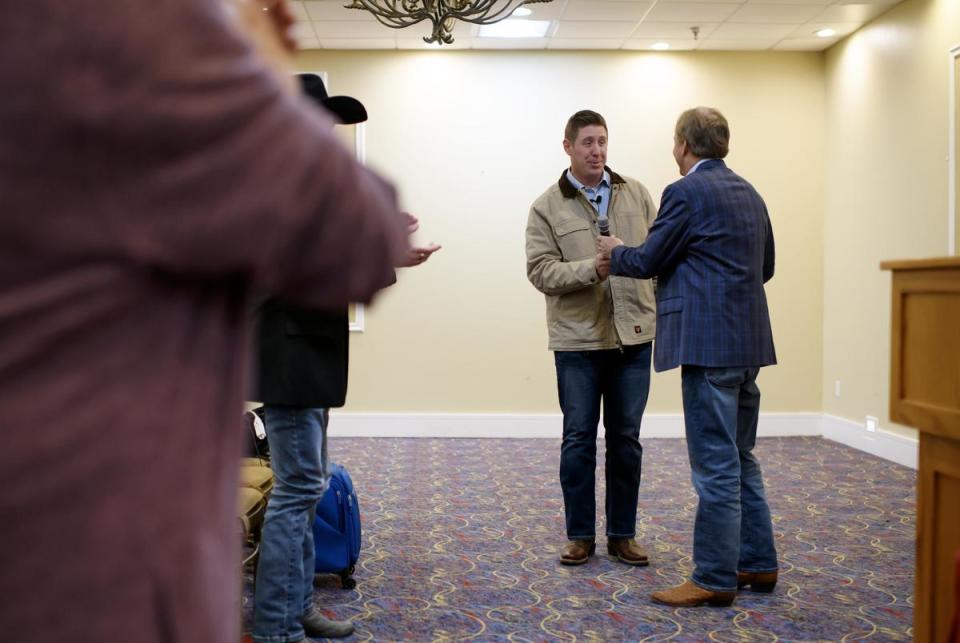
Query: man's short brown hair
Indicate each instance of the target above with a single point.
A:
(582, 119)
(705, 131)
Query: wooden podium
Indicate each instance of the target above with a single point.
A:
(925, 393)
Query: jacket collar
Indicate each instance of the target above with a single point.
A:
(570, 192)
(709, 164)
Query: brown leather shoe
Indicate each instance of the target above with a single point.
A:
(757, 581)
(626, 550)
(692, 595)
(577, 552)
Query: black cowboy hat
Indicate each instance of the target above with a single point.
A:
(347, 110)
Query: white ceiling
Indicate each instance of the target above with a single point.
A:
(611, 24)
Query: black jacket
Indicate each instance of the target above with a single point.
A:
(302, 356)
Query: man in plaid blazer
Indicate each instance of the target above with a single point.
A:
(711, 246)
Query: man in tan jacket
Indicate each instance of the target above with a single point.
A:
(601, 329)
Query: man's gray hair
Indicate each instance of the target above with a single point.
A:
(705, 131)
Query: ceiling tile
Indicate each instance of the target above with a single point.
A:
(779, 13)
(851, 13)
(329, 29)
(572, 29)
(605, 10)
(746, 31)
(732, 44)
(842, 28)
(510, 43)
(737, 2)
(333, 10)
(671, 30)
(358, 43)
(546, 11)
(516, 29)
(308, 43)
(302, 31)
(692, 12)
(820, 3)
(805, 44)
(644, 44)
(585, 43)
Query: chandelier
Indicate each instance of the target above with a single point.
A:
(442, 13)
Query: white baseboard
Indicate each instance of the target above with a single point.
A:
(547, 425)
(779, 425)
(882, 444)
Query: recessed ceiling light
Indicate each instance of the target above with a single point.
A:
(660, 46)
(521, 12)
(825, 33)
(515, 29)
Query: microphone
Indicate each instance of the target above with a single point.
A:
(602, 222)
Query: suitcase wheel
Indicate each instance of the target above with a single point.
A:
(346, 580)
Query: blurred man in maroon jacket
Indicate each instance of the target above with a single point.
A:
(153, 173)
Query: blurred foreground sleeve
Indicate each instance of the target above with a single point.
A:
(191, 155)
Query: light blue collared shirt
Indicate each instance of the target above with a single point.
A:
(696, 165)
(602, 191)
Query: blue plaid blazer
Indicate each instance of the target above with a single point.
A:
(711, 247)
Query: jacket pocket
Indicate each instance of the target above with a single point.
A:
(630, 226)
(671, 305)
(575, 239)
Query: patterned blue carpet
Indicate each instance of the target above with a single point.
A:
(461, 539)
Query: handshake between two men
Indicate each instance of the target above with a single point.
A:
(605, 246)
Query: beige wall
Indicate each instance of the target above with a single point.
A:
(472, 138)
(887, 90)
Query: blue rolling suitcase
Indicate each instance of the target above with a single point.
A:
(336, 529)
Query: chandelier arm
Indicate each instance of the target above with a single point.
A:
(388, 15)
(486, 12)
(414, 6)
(462, 9)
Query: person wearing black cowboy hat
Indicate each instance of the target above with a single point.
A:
(301, 374)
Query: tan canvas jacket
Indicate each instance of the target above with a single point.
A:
(584, 313)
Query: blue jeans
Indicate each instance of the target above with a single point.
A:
(621, 379)
(284, 583)
(733, 530)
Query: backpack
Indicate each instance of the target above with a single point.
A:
(336, 529)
